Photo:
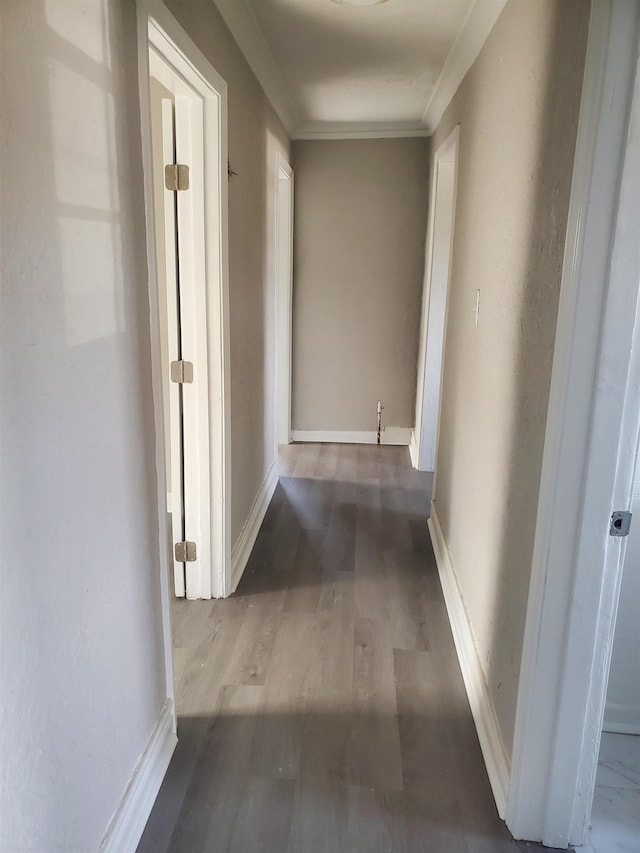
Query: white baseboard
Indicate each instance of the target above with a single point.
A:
(129, 819)
(390, 435)
(244, 545)
(413, 449)
(493, 751)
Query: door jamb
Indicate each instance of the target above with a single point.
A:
(158, 29)
(284, 303)
(416, 447)
(595, 387)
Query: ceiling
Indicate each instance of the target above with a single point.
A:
(333, 70)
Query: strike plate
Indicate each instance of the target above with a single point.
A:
(620, 524)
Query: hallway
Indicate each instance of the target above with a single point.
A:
(321, 708)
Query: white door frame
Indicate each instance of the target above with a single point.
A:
(592, 427)
(433, 325)
(170, 334)
(283, 300)
(188, 72)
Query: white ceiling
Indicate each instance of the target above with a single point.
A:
(334, 70)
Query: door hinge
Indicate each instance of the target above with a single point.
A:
(620, 524)
(182, 371)
(185, 552)
(176, 177)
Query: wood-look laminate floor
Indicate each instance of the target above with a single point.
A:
(321, 708)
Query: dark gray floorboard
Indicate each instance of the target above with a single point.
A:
(321, 708)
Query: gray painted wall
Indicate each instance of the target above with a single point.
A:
(360, 219)
(517, 109)
(81, 654)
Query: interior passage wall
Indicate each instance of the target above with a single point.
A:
(256, 135)
(517, 109)
(360, 218)
(82, 673)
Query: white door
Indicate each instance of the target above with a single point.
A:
(178, 183)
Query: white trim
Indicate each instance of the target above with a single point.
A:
(191, 74)
(413, 449)
(591, 435)
(358, 130)
(390, 435)
(447, 153)
(129, 819)
(248, 535)
(466, 49)
(239, 17)
(484, 716)
(283, 299)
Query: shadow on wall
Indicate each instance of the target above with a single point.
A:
(492, 449)
(79, 517)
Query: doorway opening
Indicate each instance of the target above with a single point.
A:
(615, 819)
(284, 294)
(184, 130)
(435, 303)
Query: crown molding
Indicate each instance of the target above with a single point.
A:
(245, 29)
(358, 130)
(240, 20)
(465, 51)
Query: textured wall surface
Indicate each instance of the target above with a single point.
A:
(82, 675)
(517, 109)
(82, 665)
(360, 219)
(255, 137)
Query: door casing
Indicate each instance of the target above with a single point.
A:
(186, 72)
(589, 453)
(435, 301)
